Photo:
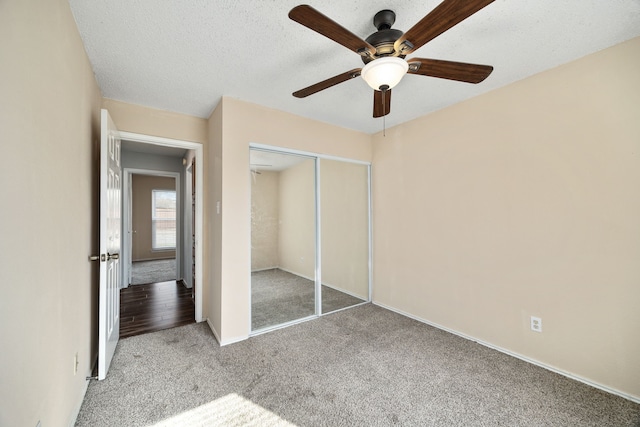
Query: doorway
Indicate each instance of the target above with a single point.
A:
(190, 236)
(153, 223)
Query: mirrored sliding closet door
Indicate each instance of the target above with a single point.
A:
(283, 238)
(301, 206)
(344, 219)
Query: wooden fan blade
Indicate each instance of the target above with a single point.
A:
(325, 84)
(311, 18)
(460, 71)
(381, 107)
(444, 16)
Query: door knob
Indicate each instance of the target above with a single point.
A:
(104, 257)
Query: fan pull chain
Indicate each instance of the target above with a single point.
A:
(384, 89)
(384, 115)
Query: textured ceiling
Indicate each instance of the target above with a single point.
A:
(183, 56)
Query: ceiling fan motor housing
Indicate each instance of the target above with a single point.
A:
(383, 39)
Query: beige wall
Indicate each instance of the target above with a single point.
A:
(49, 131)
(344, 216)
(212, 290)
(241, 123)
(297, 232)
(522, 202)
(265, 214)
(150, 121)
(142, 241)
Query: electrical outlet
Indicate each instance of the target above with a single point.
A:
(75, 364)
(536, 324)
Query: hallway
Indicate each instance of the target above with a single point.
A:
(154, 307)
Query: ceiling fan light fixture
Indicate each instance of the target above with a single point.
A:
(386, 71)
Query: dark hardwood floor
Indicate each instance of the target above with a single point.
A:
(153, 307)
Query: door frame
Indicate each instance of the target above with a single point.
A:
(199, 155)
(127, 222)
(187, 210)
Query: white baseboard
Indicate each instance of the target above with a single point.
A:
(313, 279)
(76, 409)
(344, 291)
(586, 381)
(264, 269)
(213, 330)
(328, 285)
(233, 340)
(224, 342)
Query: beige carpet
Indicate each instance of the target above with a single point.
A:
(364, 366)
(278, 297)
(145, 272)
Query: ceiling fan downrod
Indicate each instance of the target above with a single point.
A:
(384, 39)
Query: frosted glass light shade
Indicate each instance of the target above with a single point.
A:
(388, 71)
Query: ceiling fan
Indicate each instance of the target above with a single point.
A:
(383, 52)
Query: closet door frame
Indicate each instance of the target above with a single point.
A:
(318, 224)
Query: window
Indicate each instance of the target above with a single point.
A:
(163, 219)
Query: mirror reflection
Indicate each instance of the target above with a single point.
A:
(283, 243)
(284, 275)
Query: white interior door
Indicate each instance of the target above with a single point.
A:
(110, 222)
